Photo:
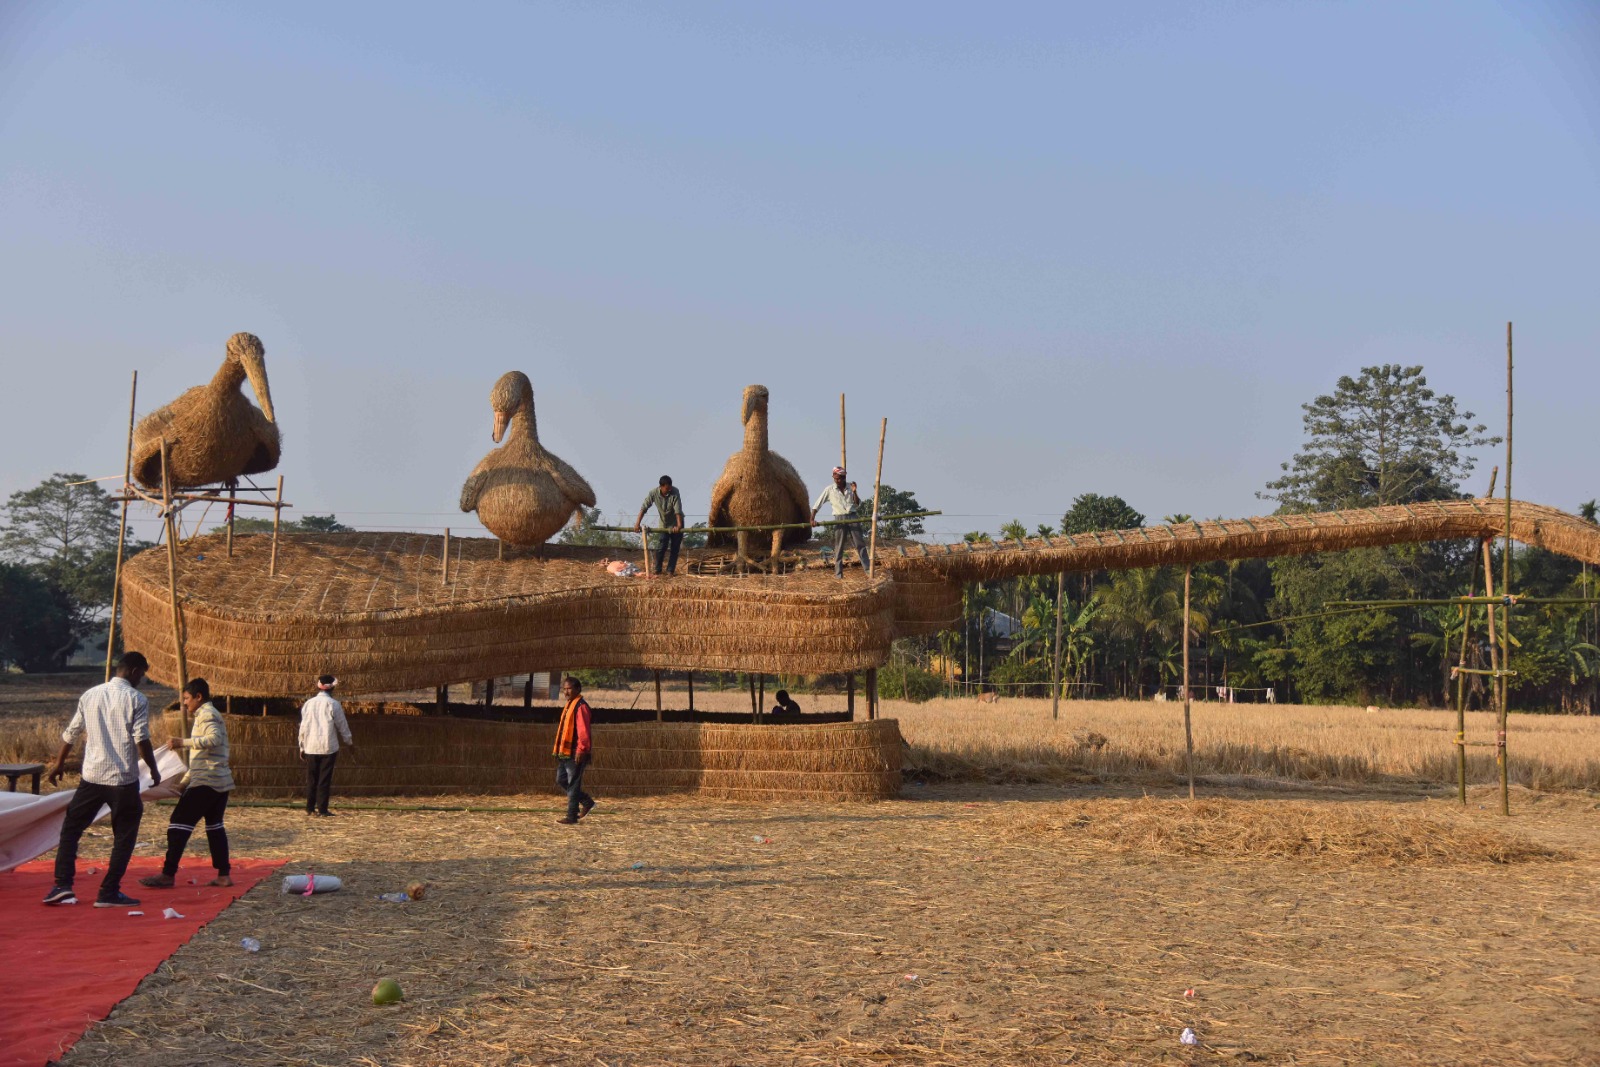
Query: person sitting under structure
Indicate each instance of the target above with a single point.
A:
(787, 705)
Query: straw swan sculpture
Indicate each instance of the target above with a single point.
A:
(213, 433)
(521, 491)
(758, 487)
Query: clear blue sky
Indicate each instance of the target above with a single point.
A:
(1062, 247)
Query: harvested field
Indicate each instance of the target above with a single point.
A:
(957, 925)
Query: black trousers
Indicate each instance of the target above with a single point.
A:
(319, 781)
(126, 812)
(198, 802)
(666, 552)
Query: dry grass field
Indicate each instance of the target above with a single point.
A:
(1358, 918)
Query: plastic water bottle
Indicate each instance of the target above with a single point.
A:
(250, 944)
(395, 898)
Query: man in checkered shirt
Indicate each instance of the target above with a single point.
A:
(113, 721)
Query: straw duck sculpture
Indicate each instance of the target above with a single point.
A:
(523, 493)
(213, 433)
(758, 487)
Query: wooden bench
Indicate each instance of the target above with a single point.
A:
(13, 771)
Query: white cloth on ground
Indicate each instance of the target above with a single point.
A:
(30, 826)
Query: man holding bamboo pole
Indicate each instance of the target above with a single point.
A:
(842, 497)
(664, 545)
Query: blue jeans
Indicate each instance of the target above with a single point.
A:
(569, 779)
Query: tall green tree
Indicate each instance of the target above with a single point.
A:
(1382, 437)
(1091, 512)
(895, 502)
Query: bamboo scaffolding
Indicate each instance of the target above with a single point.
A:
(774, 526)
(1188, 727)
(277, 519)
(122, 531)
(169, 519)
(1505, 620)
(877, 495)
(1055, 668)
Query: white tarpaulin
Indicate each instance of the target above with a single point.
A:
(30, 826)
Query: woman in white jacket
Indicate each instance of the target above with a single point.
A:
(205, 791)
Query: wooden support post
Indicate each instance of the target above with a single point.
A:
(122, 532)
(843, 458)
(1505, 619)
(444, 559)
(488, 693)
(277, 517)
(169, 516)
(527, 691)
(1188, 727)
(755, 710)
(500, 548)
(1461, 693)
(691, 691)
(761, 694)
(877, 493)
(658, 696)
(441, 700)
(233, 492)
(1055, 672)
(872, 689)
(850, 694)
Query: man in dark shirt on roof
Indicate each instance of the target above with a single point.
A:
(669, 509)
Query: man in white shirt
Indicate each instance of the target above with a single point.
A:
(113, 721)
(844, 500)
(322, 724)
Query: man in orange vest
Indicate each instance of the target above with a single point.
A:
(572, 750)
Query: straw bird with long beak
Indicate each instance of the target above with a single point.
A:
(213, 433)
(758, 487)
(521, 491)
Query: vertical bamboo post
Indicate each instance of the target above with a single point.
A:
(172, 580)
(761, 693)
(233, 492)
(1055, 670)
(850, 694)
(691, 691)
(277, 516)
(444, 559)
(842, 458)
(1461, 691)
(872, 688)
(500, 549)
(872, 551)
(1505, 619)
(441, 699)
(527, 691)
(1188, 722)
(122, 532)
(658, 696)
(755, 712)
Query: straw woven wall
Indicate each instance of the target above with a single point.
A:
(426, 756)
(373, 608)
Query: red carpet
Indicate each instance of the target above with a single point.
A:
(68, 966)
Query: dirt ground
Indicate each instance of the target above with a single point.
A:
(955, 925)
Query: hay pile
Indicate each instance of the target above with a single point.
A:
(1249, 829)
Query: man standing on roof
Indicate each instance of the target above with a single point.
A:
(572, 750)
(844, 499)
(669, 509)
(113, 721)
(322, 724)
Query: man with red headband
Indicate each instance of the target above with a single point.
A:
(844, 500)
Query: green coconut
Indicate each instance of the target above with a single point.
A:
(387, 991)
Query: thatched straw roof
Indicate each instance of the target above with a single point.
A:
(372, 608)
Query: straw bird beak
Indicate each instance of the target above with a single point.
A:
(255, 368)
(500, 420)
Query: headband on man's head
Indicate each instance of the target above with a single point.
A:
(326, 682)
(838, 471)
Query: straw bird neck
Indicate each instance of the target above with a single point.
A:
(524, 423)
(229, 376)
(755, 430)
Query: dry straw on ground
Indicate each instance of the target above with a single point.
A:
(523, 493)
(213, 433)
(953, 930)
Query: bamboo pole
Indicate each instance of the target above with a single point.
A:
(850, 695)
(172, 584)
(872, 688)
(1055, 670)
(1188, 726)
(277, 518)
(872, 550)
(761, 693)
(755, 711)
(1461, 678)
(658, 696)
(444, 559)
(691, 691)
(233, 491)
(770, 526)
(527, 691)
(122, 531)
(1505, 618)
(842, 459)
